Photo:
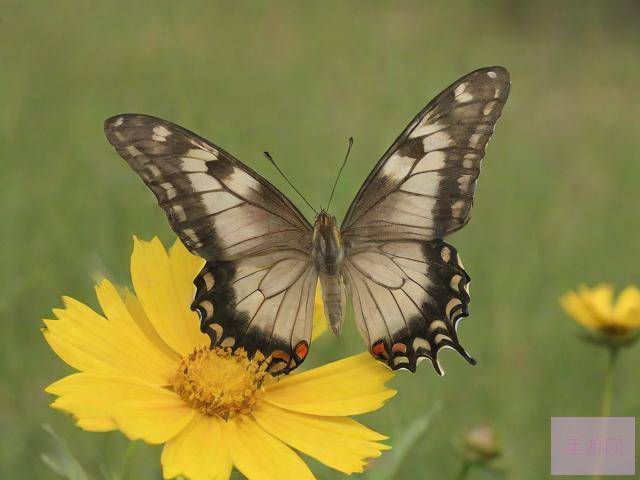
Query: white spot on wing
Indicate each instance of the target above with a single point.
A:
(170, 191)
(454, 302)
(400, 360)
(201, 182)
(228, 342)
(153, 170)
(190, 232)
(492, 74)
(436, 141)
(488, 108)
(201, 154)
(397, 167)
(178, 213)
(431, 161)
(461, 95)
(193, 165)
(463, 182)
(426, 128)
(475, 140)
(437, 324)
(425, 183)
(242, 183)
(119, 121)
(421, 343)
(215, 202)
(160, 134)
(133, 151)
(161, 131)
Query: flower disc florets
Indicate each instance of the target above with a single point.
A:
(219, 381)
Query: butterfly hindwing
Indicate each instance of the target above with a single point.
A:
(408, 299)
(423, 186)
(262, 303)
(256, 290)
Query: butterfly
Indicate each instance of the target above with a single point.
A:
(264, 259)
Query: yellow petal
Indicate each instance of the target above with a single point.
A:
(80, 336)
(260, 456)
(579, 311)
(134, 355)
(349, 386)
(199, 452)
(163, 296)
(319, 318)
(153, 414)
(89, 342)
(339, 442)
(140, 316)
(599, 299)
(627, 309)
(97, 424)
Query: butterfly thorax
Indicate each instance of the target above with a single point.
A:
(327, 252)
(328, 255)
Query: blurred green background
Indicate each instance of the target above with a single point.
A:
(557, 203)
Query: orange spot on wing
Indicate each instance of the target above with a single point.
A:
(399, 347)
(301, 350)
(379, 350)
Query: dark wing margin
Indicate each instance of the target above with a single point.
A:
(423, 186)
(409, 298)
(218, 207)
(263, 303)
(256, 290)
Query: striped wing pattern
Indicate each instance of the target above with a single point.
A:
(252, 237)
(423, 186)
(408, 286)
(408, 298)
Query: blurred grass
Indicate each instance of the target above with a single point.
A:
(556, 205)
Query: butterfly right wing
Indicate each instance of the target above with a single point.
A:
(408, 298)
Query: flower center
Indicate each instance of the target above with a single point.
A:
(220, 382)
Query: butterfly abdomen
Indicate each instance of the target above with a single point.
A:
(328, 256)
(334, 299)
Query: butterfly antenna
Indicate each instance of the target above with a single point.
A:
(344, 162)
(270, 158)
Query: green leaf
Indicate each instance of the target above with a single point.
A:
(62, 461)
(388, 466)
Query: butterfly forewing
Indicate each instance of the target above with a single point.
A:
(217, 206)
(256, 289)
(423, 186)
(408, 286)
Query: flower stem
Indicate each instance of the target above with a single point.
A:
(607, 394)
(125, 467)
(466, 468)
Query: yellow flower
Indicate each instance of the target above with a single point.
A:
(145, 369)
(594, 308)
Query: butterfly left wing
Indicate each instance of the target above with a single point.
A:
(257, 287)
(260, 303)
(218, 207)
(408, 286)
